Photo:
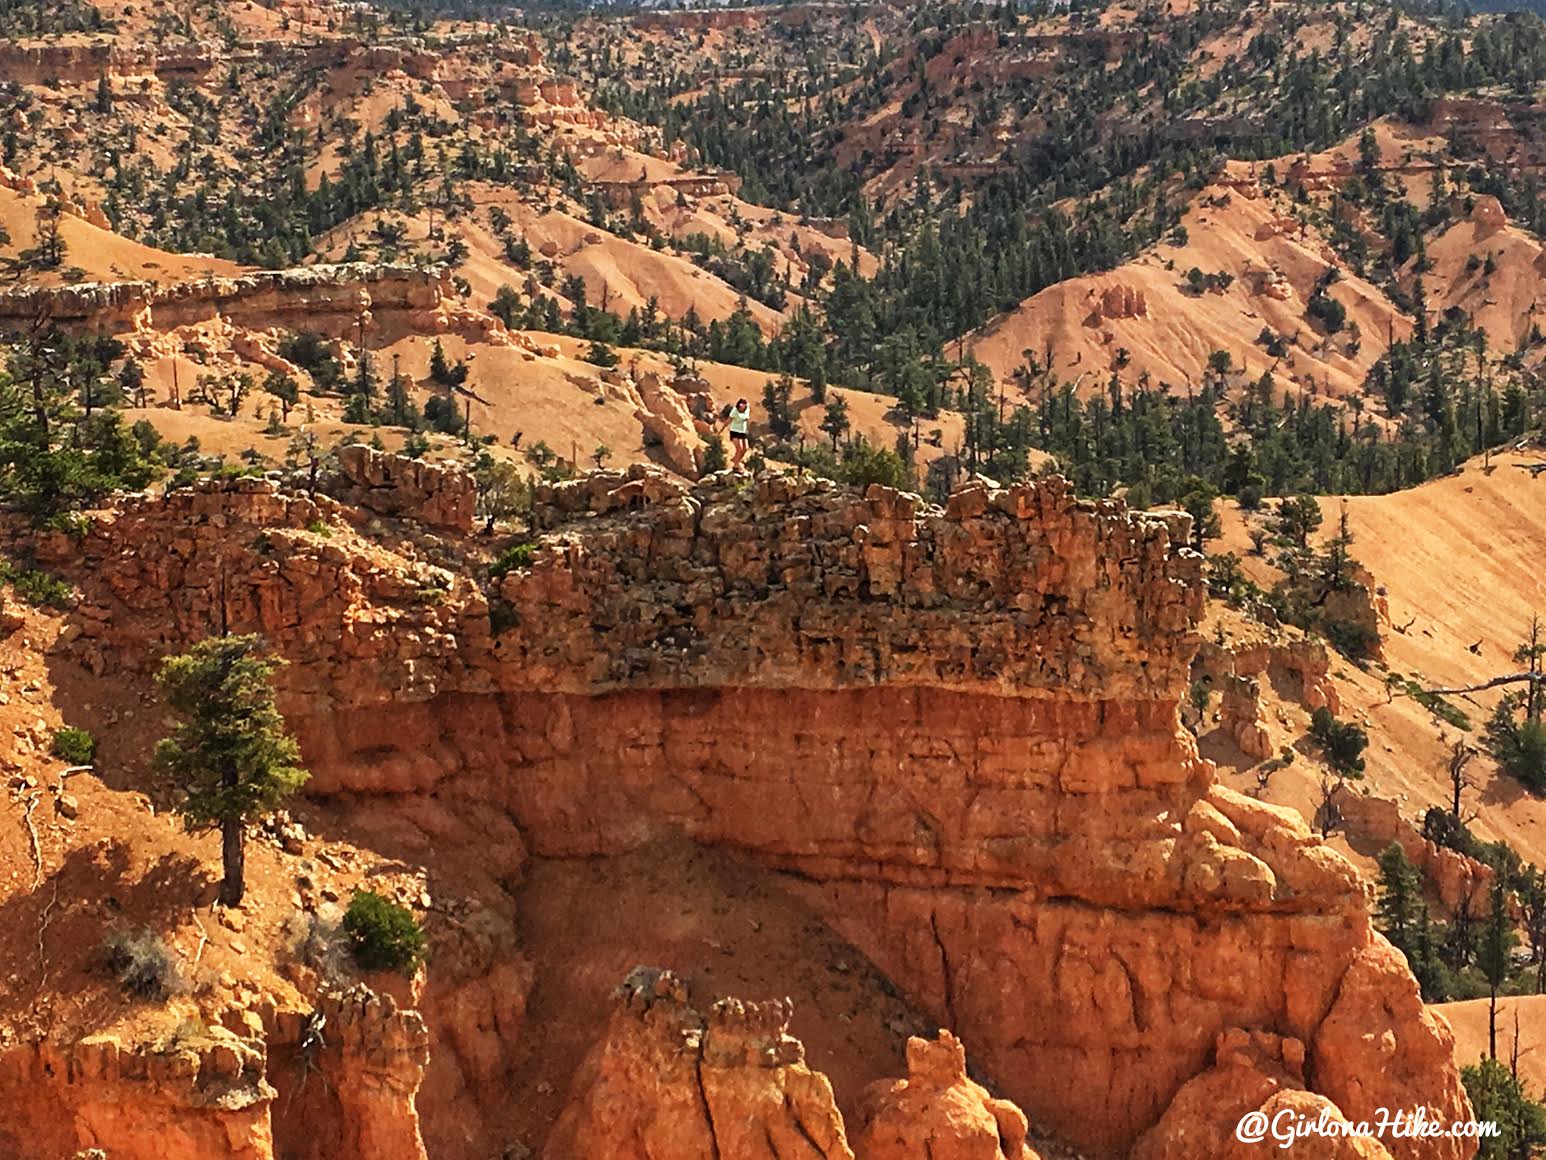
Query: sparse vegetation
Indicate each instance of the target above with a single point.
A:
(1342, 742)
(36, 587)
(1516, 733)
(1444, 710)
(383, 935)
(1498, 1096)
(516, 556)
(144, 965)
(76, 746)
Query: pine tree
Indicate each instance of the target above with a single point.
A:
(1399, 910)
(776, 398)
(835, 421)
(1493, 956)
(439, 368)
(231, 753)
(52, 457)
(1498, 1097)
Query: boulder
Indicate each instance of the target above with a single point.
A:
(938, 1111)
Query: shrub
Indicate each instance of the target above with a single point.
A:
(1356, 642)
(143, 964)
(714, 455)
(1341, 741)
(37, 588)
(1432, 702)
(513, 557)
(863, 465)
(600, 354)
(383, 935)
(1327, 310)
(77, 746)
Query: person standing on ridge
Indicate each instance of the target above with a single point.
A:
(739, 420)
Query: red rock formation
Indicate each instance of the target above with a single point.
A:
(937, 1111)
(350, 1075)
(328, 299)
(959, 728)
(1488, 216)
(668, 1083)
(1240, 716)
(12, 616)
(1379, 1047)
(1294, 655)
(198, 1099)
(1253, 1073)
(1123, 302)
(339, 1083)
(395, 485)
(1458, 881)
(663, 414)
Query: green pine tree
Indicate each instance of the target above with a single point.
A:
(231, 753)
(1498, 1096)
(1494, 956)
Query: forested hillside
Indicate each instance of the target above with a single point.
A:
(898, 201)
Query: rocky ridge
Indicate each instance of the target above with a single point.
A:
(957, 729)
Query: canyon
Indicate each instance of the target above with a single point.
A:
(950, 733)
(753, 816)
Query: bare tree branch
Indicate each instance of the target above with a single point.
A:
(1512, 679)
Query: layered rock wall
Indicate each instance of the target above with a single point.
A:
(347, 1077)
(393, 485)
(956, 729)
(182, 1101)
(331, 300)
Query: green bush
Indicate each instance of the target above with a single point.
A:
(1356, 642)
(1432, 702)
(600, 354)
(863, 465)
(513, 557)
(1341, 741)
(1331, 313)
(383, 935)
(714, 455)
(37, 588)
(77, 746)
(1523, 754)
(1518, 741)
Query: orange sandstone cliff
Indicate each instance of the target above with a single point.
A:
(952, 732)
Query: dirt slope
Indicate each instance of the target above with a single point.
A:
(1469, 1020)
(99, 253)
(619, 273)
(1490, 270)
(1143, 318)
(1459, 559)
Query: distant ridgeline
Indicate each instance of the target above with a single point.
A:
(1537, 7)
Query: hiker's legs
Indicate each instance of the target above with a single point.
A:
(740, 453)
